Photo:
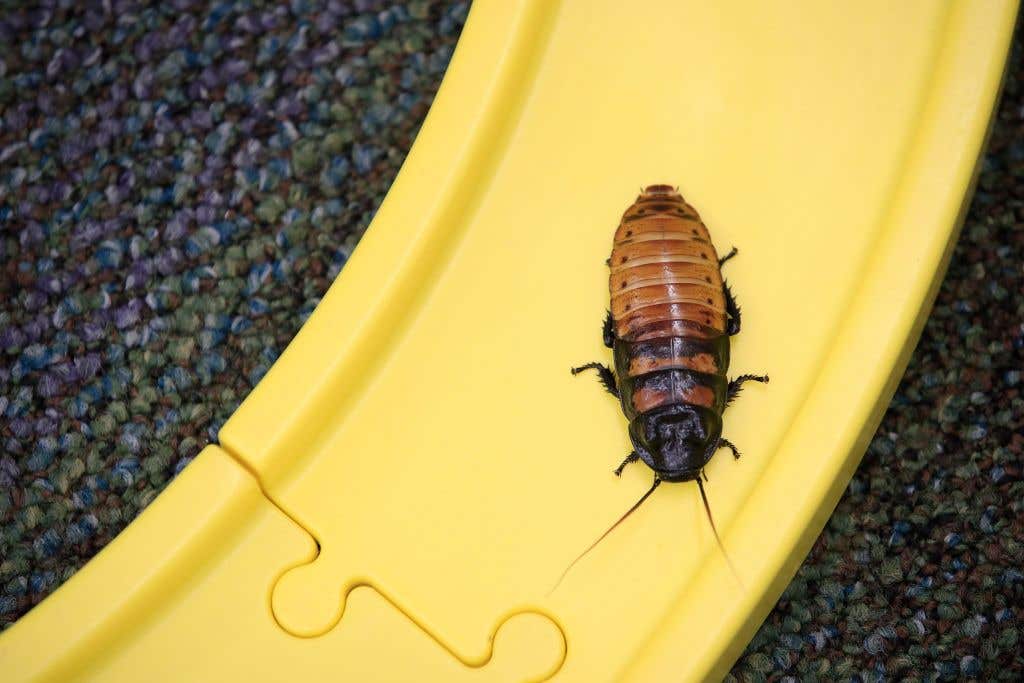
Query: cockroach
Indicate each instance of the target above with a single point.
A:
(669, 325)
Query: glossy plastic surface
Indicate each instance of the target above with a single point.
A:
(424, 429)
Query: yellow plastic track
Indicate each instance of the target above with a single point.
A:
(396, 499)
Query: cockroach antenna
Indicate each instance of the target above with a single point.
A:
(718, 540)
(605, 534)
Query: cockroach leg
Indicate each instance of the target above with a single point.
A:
(605, 375)
(736, 385)
(609, 330)
(722, 441)
(631, 458)
(732, 252)
(732, 308)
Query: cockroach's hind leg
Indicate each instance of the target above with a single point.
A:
(609, 330)
(604, 374)
(736, 385)
(631, 458)
(722, 441)
(732, 308)
(732, 252)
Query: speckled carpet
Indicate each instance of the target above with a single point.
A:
(181, 181)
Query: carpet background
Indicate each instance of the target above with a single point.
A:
(180, 182)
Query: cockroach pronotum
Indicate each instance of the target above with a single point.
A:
(669, 325)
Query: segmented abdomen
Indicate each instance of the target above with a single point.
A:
(668, 306)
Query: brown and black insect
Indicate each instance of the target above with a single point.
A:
(669, 326)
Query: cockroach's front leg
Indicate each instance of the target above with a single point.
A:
(631, 458)
(730, 445)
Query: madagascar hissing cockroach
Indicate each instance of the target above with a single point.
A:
(669, 325)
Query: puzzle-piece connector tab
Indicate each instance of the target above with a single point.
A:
(524, 644)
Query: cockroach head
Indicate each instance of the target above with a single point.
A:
(677, 441)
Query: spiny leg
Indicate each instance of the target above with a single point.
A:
(609, 330)
(730, 303)
(604, 374)
(631, 458)
(732, 309)
(722, 441)
(736, 385)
